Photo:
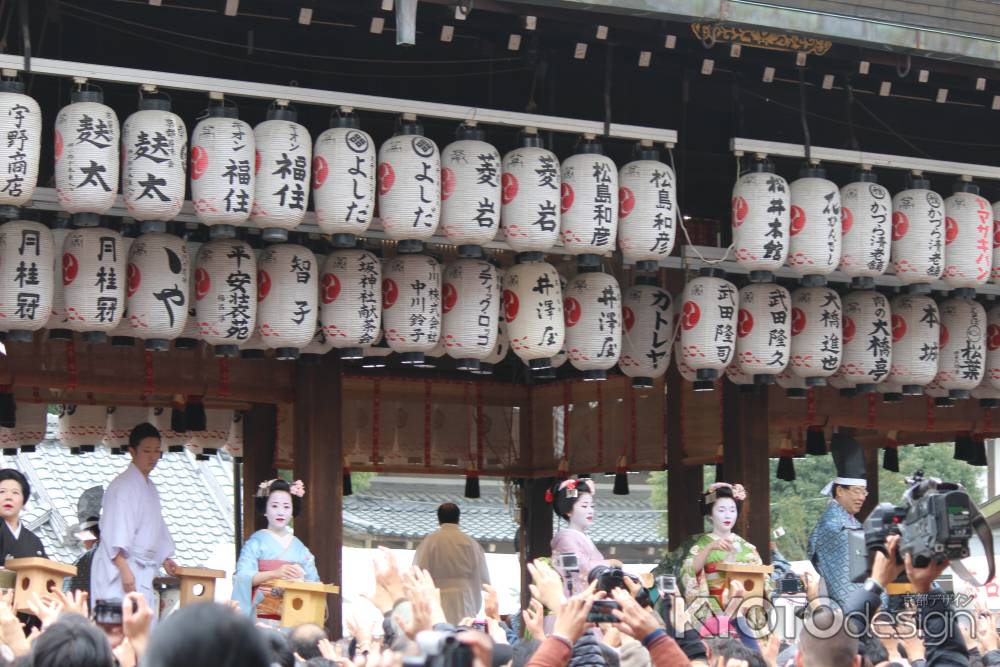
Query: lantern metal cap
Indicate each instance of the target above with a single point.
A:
(484, 369)
(86, 95)
(589, 145)
(963, 185)
(865, 175)
(229, 351)
(344, 240)
(10, 451)
(470, 251)
(19, 336)
(645, 150)
(412, 358)
(795, 393)
(544, 374)
(157, 345)
(761, 276)
(989, 402)
(286, 353)
(11, 86)
(529, 257)
(707, 374)
(862, 282)
(816, 382)
(943, 402)
(642, 383)
(812, 171)
(373, 362)
(94, 337)
(469, 130)
(813, 281)
(79, 220)
(529, 138)
(963, 293)
(221, 110)
(153, 227)
(122, 341)
(540, 364)
(703, 385)
(647, 265)
(763, 380)
(916, 181)
(154, 104)
(409, 246)
(274, 235)
(918, 288)
(60, 334)
(351, 353)
(222, 232)
(594, 375)
(647, 280)
(892, 397)
(282, 113)
(470, 365)
(711, 272)
(252, 354)
(912, 390)
(185, 343)
(959, 394)
(761, 165)
(588, 268)
(10, 212)
(344, 117)
(408, 124)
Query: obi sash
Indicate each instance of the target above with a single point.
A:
(270, 606)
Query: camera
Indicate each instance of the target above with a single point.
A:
(440, 649)
(609, 578)
(108, 612)
(567, 563)
(790, 584)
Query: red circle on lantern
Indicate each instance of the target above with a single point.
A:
(798, 321)
(565, 197)
(449, 297)
(321, 169)
(950, 230)
(263, 285)
(993, 337)
(199, 162)
(256, 162)
(943, 337)
(511, 305)
(996, 237)
(133, 278)
(331, 287)
(202, 283)
(390, 292)
(741, 209)
(508, 183)
(690, 314)
(898, 328)
(626, 201)
(59, 145)
(849, 329)
(900, 225)
(571, 311)
(846, 219)
(386, 177)
(744, 323)
(628, 318)
(448, 183)
(798, 220)
(70, 266)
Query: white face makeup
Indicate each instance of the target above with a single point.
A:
(724, 515)
(279, 510)
(581, 517)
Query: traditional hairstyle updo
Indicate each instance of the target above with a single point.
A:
(563, 495)
(708, 499)
(260, 501)
(17, 476)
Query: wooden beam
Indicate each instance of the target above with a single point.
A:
(259, 432)
(535, 531)
(745, 453)
(684, 482)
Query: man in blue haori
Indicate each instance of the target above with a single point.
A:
(828, 544)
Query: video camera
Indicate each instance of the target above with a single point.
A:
(609, 578)
(440, 649)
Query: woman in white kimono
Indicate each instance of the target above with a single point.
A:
(272, 554)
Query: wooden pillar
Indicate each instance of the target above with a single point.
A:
(684, 482)
(259, 435)
(745, 455)
(872, 467)
(319, 464)
(535, 531)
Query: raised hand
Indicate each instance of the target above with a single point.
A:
(572, 619)
(546, 586)
(137, 617)
(633, 619)
(491, 602)
(534, 619)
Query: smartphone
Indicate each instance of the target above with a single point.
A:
(480, 625)
(600, 612)
(567, 563)
(108, 612)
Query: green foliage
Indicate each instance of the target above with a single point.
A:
(362, 480)
(658, 498)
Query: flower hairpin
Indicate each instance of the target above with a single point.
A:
(571, 487)
(299, 489)
(739, 493)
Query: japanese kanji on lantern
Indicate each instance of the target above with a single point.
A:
(499, 351)
(287, 298)
(190, 335)
(760, 220)
(533, 309)
(866, 224)
(916, 331)
(815, 226)
(470, 190)
(993, 346)
(344, 176)
(647, 208)
(918, 235)
(867, 339)
(87, 161)
(27, 278)
(351, 300)
(122, 335)
(816, 334)
(963, 346)
(995, 271)
(968, 238)
(794, 385)
(589, 202)
(223, 175)
(155, 144)
(82, 427)
(530, 195)
(470, 304)
(647, 331)
(409, 194)
(93, 276)
(708, 325)
(226, 294)
(763, 331)
(157, 286)
(592, 308)
(284, 152)
(411, 306)
(21, 126)
(57, 319)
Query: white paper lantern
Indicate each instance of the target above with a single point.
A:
(118, 427)
(918, 235)
(287, 298)
(218, 424)
(234, 444)
(867, 339)
(321, 343)
(155, 144)
(533, 310)
(93, 275)
(57, 320)
(794, 385)
(647, 209)
(760, 220)
(223, 174)
(158, 279)
(409, 191)
(968, 238)
(411, 305)
(993, 346)
(21, 128)
(916, 330)
(589, 204)
(470, 306)
(499, 351)
(987, 395)
(122, 335)
(27, 277)
(647, 332)
(708, 326)
(995, 271)
(284, 153)
(963, 346)
(350, 300)
(866, 225)
(226, 294)
(739, 378)
(470, 190)
(687, 373)
(816, 334)
(170, 440)
(344, 174)
(87, 141)
(82, 427)
(815, 226)
(530, 210)
(592, 307)
(763, 331)
(939, 394)
(190, 335)
(29, 430)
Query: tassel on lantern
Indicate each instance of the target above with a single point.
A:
(815, 441)
(964, 448)
(8, 409)
(472, 483)
(347, 483)
(786, 467)
(977, 451)
(194, 414)
(621, 478)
